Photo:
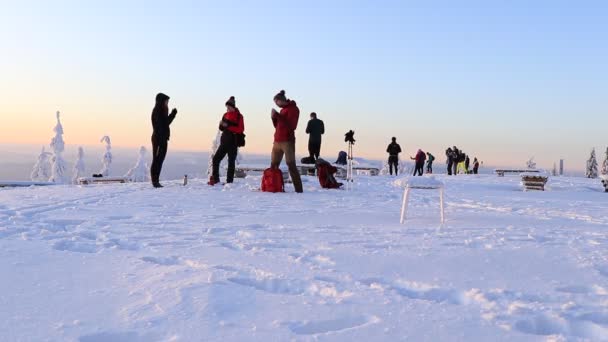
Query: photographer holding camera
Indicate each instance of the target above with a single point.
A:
(161, 120)
(285, 123)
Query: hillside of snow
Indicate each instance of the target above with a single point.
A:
(128, 262)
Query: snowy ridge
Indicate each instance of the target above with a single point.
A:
(131, 263)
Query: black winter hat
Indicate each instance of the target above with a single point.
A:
(231, 102)
(160, 97)
(280, 96)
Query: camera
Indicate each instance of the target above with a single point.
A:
(349, 137)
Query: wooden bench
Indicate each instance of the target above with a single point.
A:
(501, 172)
(22, 184)
(534, 181)
(102, 180)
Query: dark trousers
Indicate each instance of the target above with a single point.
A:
(455, 168)
(222, 151)
(429, 167)
(450, 164)
(393, 161)
(419, 168)
(314, 149)
(159, 152)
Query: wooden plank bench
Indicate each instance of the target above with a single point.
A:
(102, 180)
(532, 181)
(22, 184)
(422, 183)
(501, 172)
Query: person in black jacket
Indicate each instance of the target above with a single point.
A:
(161, 120)
(315, 129)
(393, 151)
(450, 159)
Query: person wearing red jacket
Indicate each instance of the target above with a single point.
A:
(420, 159)
(231, 125)
(285, 123)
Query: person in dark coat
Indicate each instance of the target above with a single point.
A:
(475, 165)
(232, 125)
(419, 158)
(429, 162)
(393, 151)
(467, 163)
(315, 129)
(161, 120)
(449, 154)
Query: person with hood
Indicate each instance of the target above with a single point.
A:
(449, 159)
(232, 126)
(429, 162)
(456, 153)
(315, 129)
(420, 158)
(161, 120)
(393, 151)
(285, 123)
(475, 165)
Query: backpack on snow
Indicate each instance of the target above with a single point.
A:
(325, 172)
(272, 180)
(342, 156)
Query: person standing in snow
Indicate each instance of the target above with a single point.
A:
(232, 126)
(161, 120)
(456, 156)
(420, 159)
(285, 123)
(429, 162)
(315, 129)
(475, 165)
(449, 153)
(393, 151)
(467, 163)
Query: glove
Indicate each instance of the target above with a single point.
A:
(174, 111)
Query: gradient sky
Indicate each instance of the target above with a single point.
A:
(503, 80)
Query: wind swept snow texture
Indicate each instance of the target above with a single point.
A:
(197, 263)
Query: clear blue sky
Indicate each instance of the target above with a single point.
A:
(504, 80)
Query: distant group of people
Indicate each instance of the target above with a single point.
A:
(232, 126)
(457, 161)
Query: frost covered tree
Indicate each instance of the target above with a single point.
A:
(531, 164)
(215, 144)
(591, 170)
(140, 172)
(79, 167)
(58, 167)
(106, 160)
(605, 163)
(42, 169)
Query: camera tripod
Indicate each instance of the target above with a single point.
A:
(349, 166)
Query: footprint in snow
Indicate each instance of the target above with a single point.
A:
(168, 261)
(329, 326)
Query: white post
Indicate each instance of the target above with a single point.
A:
(406, 196)
(441, 205)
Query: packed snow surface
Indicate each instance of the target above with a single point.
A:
(126, 262)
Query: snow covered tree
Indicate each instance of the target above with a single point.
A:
(42, 169)
(554, 171)
(140, 172)
(58, 163)
(591, 170)
(79, 168)
(107, 157)
(531, 164)
(605, 163)
(215, 144)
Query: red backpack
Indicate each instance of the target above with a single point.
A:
(272, 180)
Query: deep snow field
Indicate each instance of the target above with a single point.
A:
(199, 263)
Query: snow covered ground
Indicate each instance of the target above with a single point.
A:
(199, 263)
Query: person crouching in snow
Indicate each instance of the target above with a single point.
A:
(420, 158)
(232, 126)
(285, 123)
